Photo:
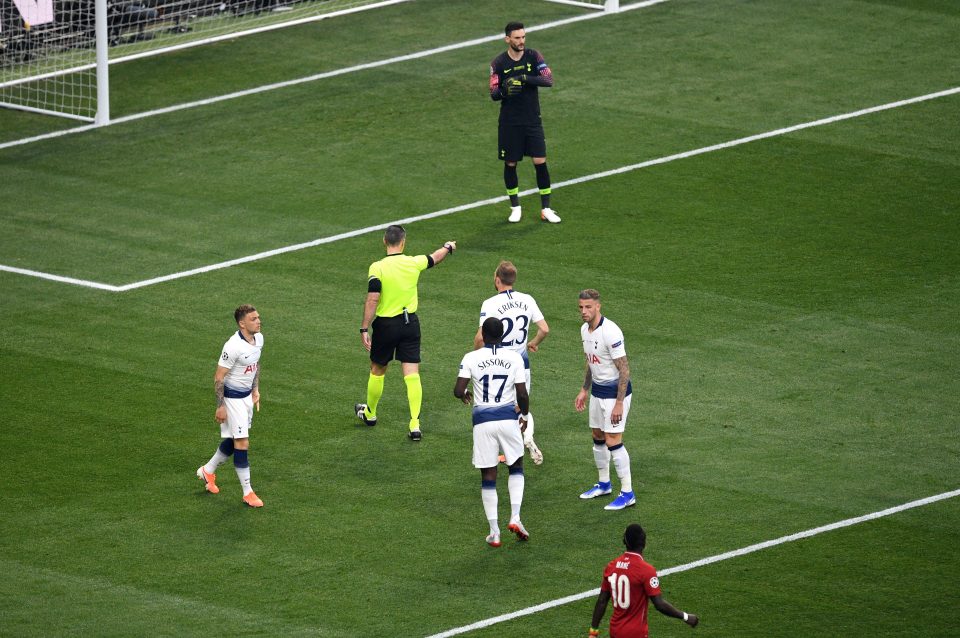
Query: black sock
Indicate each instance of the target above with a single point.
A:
(512, 183)
(543, 183)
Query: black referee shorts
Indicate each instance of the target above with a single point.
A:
(515, 141)
(393, 338)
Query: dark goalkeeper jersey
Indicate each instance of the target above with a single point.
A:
(522, 109)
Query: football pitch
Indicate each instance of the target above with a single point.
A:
(766, 193)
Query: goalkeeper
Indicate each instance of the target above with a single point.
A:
(515, 76)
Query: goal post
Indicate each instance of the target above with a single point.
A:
(55, 54)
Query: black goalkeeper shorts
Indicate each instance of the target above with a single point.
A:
(516, 141)
(393, 338)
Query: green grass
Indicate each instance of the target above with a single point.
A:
(789, 307)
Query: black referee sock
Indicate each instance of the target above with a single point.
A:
(512, 183)
(543, 184)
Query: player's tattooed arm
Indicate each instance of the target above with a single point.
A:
(218, 384)
(587, 380)
(256, 379)
(623, 367)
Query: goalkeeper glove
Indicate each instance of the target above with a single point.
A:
(513, 86)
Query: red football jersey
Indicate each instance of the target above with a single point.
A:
(631, 582)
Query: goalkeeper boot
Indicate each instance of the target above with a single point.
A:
(515, 214)
(624, 500)
(252, 500)
(548, 215)
(415, 435)
(361, 410)
(517, 528)
(599, 489)
(493, 539)
(209, 479)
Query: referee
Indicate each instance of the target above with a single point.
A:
(391, 310)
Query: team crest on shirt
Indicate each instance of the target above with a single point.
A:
(654, 583)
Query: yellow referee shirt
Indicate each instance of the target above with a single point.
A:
(398, 275)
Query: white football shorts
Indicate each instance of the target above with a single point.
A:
(239, 418)
(491, 437)
(600, 410)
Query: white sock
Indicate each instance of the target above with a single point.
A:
(215, 461)
(243, 473)
(489, 497)
(621, 460)
(515, 485)
(602, 456)
(528, 433)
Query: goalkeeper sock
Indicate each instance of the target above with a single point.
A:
(543, 183)
(602, 456)
(374, 392)
(414, 398)
(488, 494)
(242, 465)
(621, 461)
(512, 182)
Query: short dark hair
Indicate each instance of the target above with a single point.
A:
(507, 273)
(635, 538)
(243, 311)
(492, 330)
(511, 27)
(590, 293)
(394, 235)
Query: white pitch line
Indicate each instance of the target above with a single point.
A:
(59, 278)
(319, 76)
(490, 201)
(706, 561)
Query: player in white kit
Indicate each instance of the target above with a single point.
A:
(607, 383)
(237, 387)
(498, 380)
(517, 311)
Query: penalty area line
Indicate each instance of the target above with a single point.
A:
(707, 561)
(486, 202)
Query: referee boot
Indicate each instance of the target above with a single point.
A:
(361, 410)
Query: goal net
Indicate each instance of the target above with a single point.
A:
(49, 60)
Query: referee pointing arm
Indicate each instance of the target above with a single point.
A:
(390, 311)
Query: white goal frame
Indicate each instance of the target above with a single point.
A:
(103, 59)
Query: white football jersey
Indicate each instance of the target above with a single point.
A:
(495, 372)
(516, 311)
(601, 347)
(242, 359)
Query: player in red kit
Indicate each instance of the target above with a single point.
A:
(630, 582)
